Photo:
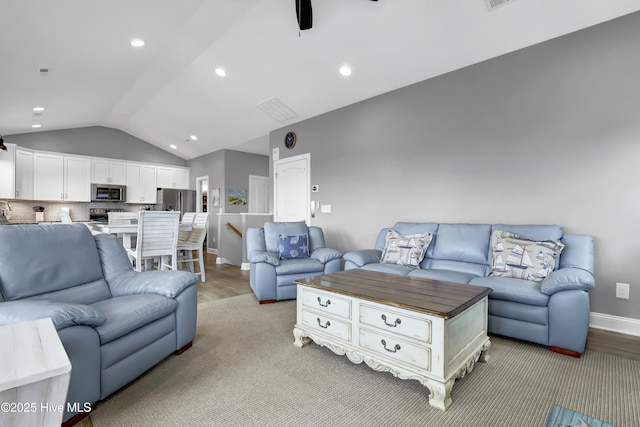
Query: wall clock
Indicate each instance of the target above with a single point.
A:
(290, 140)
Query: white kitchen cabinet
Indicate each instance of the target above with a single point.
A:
(141, 183)
(24, 174)
(171, 177)
(7, 172)
(77, 176)
(105, 171)
(59, 177)
(48, 176)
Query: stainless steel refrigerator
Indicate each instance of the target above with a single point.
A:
(176, 200)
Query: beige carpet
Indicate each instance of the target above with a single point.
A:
(244, 370)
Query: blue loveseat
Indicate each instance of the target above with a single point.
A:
(553, 312)
(114, 323)
(272, 274)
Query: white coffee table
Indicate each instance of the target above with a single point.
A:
(427, 330)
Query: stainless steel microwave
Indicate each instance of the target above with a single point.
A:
(108, 193)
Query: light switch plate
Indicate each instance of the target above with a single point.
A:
(325, 208)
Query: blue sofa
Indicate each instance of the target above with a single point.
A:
(553, 312)
(114, 323)
(272, 275)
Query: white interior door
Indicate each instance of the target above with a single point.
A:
(291, 190)
(258, 194)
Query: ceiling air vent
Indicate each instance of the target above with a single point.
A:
(493, 4)
(277, 110)
(43, 72)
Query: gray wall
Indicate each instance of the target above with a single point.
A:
(547, 134)
(227, 169)
(96, 141)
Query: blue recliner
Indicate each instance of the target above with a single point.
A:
(282, 252)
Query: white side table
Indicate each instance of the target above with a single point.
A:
(34, 375)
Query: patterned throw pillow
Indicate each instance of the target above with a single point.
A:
(293, 246)
(516, 256)
(406, 250)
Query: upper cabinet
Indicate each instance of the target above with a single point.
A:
(105, 171)
(173, 177)
(59, 177)
(7, 171)
(41, 175)
(141, 183)
(24, 174)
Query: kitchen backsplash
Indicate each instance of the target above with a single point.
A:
(23, 211)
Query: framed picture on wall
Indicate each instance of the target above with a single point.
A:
(237, 197)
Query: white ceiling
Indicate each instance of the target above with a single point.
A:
(167, 90)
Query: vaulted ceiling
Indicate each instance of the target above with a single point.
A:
(167, 91)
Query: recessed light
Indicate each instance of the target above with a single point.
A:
(137, 43)
(221, 72)
(38, 109)
(193, 138)
(345, 70)
(36, 126)
(173, 146)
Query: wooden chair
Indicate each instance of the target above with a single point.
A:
(195, 242)
(117, 218)
(65, 218)
(188, 217)
(157, 238)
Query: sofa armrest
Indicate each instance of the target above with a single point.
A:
(264, 256)
(363, 256)
(324, 255)
(166, 283)
(62, 314)
(567, 279)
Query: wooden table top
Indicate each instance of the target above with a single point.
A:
(434, 297)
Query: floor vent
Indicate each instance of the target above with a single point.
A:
(277, 110)
(494, 4)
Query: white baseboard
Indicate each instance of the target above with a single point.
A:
(212, 251)
(222, 260)
(245, 266)
(621, 325)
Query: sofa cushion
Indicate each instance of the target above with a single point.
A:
(50, 258)
(129, 312)
(462, 242)
(516, 290)
(522, 258)
(272, 231)
(297, 266)
(444, 275)
(388, 268)
(293, 246)
(404, 249)
(456, 266)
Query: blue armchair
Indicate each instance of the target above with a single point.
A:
(282, 252)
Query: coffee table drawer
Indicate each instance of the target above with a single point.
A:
(396, 349)
(326, 324)
(326, 303)
(396, 322)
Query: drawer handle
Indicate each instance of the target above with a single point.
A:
(326, 325)
(384, 344)
(392, 325)
(324, 305)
